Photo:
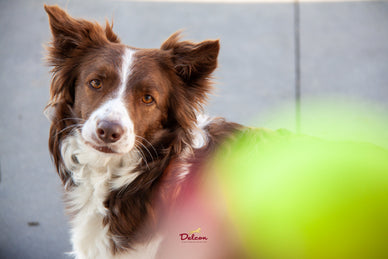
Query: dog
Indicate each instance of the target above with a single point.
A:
(128, 132)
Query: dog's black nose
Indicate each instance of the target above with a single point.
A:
(109, 131)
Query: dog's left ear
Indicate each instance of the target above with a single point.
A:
(193, 62)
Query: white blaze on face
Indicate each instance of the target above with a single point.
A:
(114, 110)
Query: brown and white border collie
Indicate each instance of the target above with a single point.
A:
(128, 133)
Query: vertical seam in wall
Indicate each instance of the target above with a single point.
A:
(297, 65)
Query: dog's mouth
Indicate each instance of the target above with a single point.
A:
(103, 149)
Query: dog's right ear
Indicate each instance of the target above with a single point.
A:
(71, 38)
(69, 33)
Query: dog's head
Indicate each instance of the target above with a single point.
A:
(118, 96)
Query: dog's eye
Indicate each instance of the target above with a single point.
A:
(95, 83)
(148, 99)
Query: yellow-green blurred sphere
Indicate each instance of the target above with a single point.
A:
(294, 196)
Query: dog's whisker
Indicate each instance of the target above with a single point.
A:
(148, 151)
(142, 155)
(149, 143)
(79, 119)
(74, 126)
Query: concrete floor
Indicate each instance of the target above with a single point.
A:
(272, 55)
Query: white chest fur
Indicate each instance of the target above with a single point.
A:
(95, 174)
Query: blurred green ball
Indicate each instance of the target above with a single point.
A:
(294, 196)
